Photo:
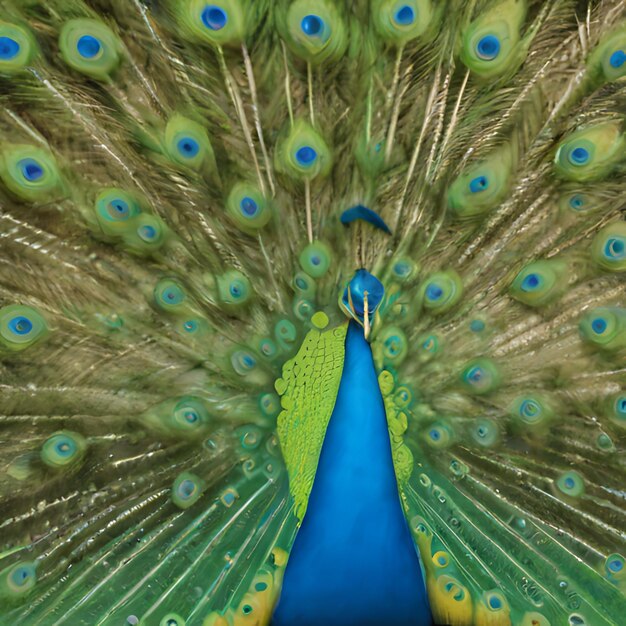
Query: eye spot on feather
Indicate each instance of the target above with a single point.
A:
(531, 282)
(63, 449)
(21, 578)
(9, 48)
(477, 326)
(89, 47)
(598, 325)
(133, 620)
(615, 565)
(404, 16)
(214, 17)
(31, 170)
(147, 232)
(617, 59)
(488, 47)
(615, 248)
(577, 202)
(190, 326)
(570, 484)
(188, 147)
(579, 156)
(478, 184)
(248, 206)
(430, 344)
(434, 292)
(312, 25)
(186, 490)
(20, 325)
(228, 497)
(306, 156)
(576, 620)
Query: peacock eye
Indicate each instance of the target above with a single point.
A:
(214, 18)
(312, 25)
(488, 47)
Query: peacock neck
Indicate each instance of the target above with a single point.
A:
(353, 560)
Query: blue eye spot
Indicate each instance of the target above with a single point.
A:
(301, 283)
(214, 18)
(598, 325)
(616, 565)
(404, 15)
(480, 183)
(529, 408)
(31, 170)
(475, 375)
(229, 498)
(147, 232)
(579, 156)
(393, 345)
(621, 406)
(9, 48)
(576, 202)
(435, 435)
(495, 602)
(20, 325)
(315, 260)
(248, 361)
(190, 326)
(21, 575)
(248, 206)
(488, 47)
(434, 292)
(188, 147)
(617, 59)
(260, 586)
(477, 326)
(118, 209)
(378, 147)
(614, 248)
(64, 448)
(306, 155)
(401, 269)
(569, 482)
(530, 282)
(88, 47)
(235, 290)
(312, 25)
(191, 417)
(186, 488)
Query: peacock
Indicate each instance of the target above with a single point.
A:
(312, 313)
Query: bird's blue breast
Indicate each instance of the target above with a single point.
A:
(353, 560)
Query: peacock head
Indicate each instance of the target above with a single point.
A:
(362, 297)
